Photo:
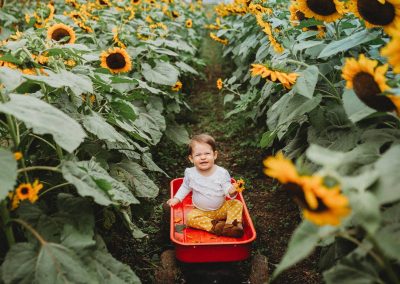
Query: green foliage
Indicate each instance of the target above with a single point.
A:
(324, 126)
(85, 129)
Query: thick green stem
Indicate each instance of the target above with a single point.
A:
(5, 219)
(59, 152)
(31, 229)
(11, 125)
(386, 265)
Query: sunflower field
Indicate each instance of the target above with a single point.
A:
(321, 78)
(88, 89)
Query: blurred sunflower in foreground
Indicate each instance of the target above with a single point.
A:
(116, 59)
(320, 204)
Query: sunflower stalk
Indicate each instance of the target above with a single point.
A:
(392, 277)
(40, 168)
(30, 229)
(11, 125)
(5, 219)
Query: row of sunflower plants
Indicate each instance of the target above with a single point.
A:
(87, 89)
(323, 79)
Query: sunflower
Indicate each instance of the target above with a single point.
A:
(116, 60)
(220, 84)
(392, 52)
(43, 18)
(287, 79)
(322, 206)
(189, 23)
(60, 33)
(280, 168)
(377, 13)
(177, 86)
(17, 156)
(223, 41)
(28, 191)
(324, 10)
(240, 185)
(136, 2)
(103, 3)
(368, 82)
(175, 14)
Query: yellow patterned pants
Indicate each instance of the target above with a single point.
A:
(230, 210)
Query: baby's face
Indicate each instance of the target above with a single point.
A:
(203, 156)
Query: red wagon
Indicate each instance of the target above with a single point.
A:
(192, 245)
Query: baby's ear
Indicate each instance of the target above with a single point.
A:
(190, 158)
(215, 154)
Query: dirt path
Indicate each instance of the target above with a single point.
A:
(274, 214)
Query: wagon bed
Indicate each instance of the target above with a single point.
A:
(192, 245)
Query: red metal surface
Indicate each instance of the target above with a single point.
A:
(192, 245)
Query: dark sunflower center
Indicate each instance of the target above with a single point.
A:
(323, 8)
(60, 34)
(376, 13)
(136, 1)
(24, 190)
(368, 91)
(116, 61)
(300, 16)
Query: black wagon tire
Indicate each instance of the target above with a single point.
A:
(168, 272)
(259, 270)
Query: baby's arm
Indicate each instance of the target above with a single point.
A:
(182, 191)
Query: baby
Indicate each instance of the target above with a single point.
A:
(210, 184)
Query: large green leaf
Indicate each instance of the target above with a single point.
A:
(353, 270)
(10, 78)
(19, 264)
(348, 43)
(305, 84)
(8, 172)
(151, 122)
(53, 264)
(136, 178)
(163, 73)
(43, 118)
(96, 124)
(90, 179)
(354, 107)
(78, 84)
(105, 269)
(303, 241)
(366, 210)
(150, 165)
(186, 68)
(177, 133)
(388, 187)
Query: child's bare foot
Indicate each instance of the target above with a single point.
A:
(218, 226)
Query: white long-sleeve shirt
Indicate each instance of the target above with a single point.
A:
(209, 192)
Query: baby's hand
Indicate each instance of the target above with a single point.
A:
(173, 201)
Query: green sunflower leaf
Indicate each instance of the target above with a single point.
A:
(163, 73)
(43, 118)
(8, 173)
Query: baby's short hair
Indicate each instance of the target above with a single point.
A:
(202, 138)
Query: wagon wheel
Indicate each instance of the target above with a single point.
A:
(168, 271)
(259, 270)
